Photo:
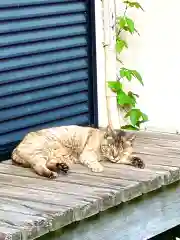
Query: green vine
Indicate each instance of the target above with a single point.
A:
(127, 101)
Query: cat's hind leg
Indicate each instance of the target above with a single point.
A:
(35, 161)
(38, 164)
(18, 160)
(42, 170)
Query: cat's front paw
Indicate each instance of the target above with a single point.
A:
(137, 162)
(97, 169)
(62, 167)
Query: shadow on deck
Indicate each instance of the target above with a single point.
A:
(31, 206)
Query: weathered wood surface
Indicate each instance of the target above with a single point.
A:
(31, 206)
(140, 219)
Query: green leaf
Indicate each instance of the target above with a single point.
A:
(134, 115)
(120, 44)
(115, 86)
(137, 5)
(130, 24)
(126, 28)
(137, 76)
(133, 96)
(134, 4)
(139, 123)
(128, 75)
(126, 2)
(122, 22)
(122, 72)
(130, 127)
(133, 102)
(123, 98)
(144, 117)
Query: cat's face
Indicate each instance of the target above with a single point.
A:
(116, 144)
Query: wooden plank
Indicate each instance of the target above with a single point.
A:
(21, 194)
(105, 197)
(56, 215)
(170, 174)
(158, 142)
(167, 145)
(30, 226)
(130, 174)
(173, 148)
(157, 135)
(159, 159)
(156, 151)
(127, 189)
(82, 207)
(142, 218)
(173, 176)
(150, 180)
(28, 193)
(81, 193)
(9, 232)
(90, 179)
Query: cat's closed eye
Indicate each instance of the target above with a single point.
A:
(115, 153)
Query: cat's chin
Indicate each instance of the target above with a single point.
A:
(114, 160)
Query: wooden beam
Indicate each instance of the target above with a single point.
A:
(142, 218)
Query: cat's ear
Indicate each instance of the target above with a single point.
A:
(109, 132)
(131, 137)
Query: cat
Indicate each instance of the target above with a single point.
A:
(49, 150)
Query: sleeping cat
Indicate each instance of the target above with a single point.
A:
(53, 149)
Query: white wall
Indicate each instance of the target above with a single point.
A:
(156, 55)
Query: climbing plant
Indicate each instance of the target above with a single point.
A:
(127, 101)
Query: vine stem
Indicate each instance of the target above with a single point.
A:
(120, 30)
(126, 108)
(126, 8)
(119, 78)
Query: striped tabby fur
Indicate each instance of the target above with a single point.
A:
(49, 150)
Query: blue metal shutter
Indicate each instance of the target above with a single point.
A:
(45, 67)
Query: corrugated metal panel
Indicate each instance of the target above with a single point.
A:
(44, 70)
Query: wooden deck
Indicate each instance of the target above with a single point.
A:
(31, 206)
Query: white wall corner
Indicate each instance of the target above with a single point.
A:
(100, 61)
(109, 20)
